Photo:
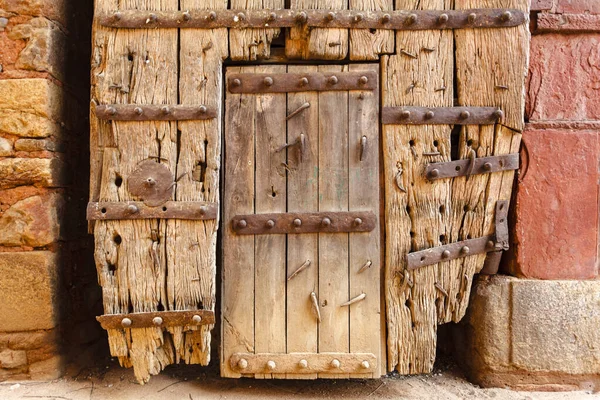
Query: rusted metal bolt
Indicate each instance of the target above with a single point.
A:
(330, 16)
(465, 114)
(412, 18)
(212, 16)
(326, 222)
(150, 182)
(490, 244)
(443, 18)
(242, 364)
(272, 17)
(117, 16)
(434, 173)
(405, 114)
(271, 365)
(138, 111)
(363, 80)
(166, 110)
(153, 18)
(487, 166)
(236, 82)
(429, 114)
(241, 16)
(446, 254)
(303, 81)
(499, 114)
(196, 319)
(242, 223)
(358, 17)
(472, 17)
(386, 18)
(202, 210)
(268, 81)
(301, 17)
(186, 16)
(126, 322)
(112, 111)
(464, 250)
(358, 221)
(303, 364)
(158, 321)
(202, 109)
(365, 365)
(270, 224)
(333, 80)
(336, 363)
(506, 16)
(297, 222)
(132, 209)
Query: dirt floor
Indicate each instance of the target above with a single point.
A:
(111, 382)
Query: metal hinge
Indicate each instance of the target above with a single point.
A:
(484, 165)
(441, 115)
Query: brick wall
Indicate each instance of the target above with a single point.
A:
(556, 213)
(47, 276)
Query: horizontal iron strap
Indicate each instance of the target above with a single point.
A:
(497, 241)
(138, 112)
(397, 20)
(314, 81)
(159, 318)
(323, 222)
(484, 165)
(441, 115)
(303, 363)
(191, 210)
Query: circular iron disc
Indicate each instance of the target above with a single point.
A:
(152, 182)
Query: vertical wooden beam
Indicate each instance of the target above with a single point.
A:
(303, 196)
(333, 196)
(237, 310)
(252, 44)
(366, 44)
(325, 44)
(420, 74)
(364, 248)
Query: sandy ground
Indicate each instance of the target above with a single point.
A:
(111, 382)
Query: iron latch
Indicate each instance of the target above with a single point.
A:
(476, 166)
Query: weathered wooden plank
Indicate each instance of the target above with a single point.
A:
(252, 44)
(308, 43)
(334, 332)
(366, 44)
(364, 248)
(416, 210)
(191, 245)
(270, 196)
(131, 68)
(237, 310)
(302, 178)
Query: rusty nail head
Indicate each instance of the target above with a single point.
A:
(242, 223)
(150, 182)
(132, 209)
(434, 173)
(236, 82)
(465, 250)
(487, 166)
(386, 18)
(271, 365)
(472, 17)
(126, 322)
(197, 319)
(242, 364)
(112, 111)
(365, 364)
(333, 80)
(158, 321)
(202, 109)
(326, 222)
(363, 80)
(465, 114)
(117, 16)
(166, 110)
(499, 114)
(336, 363)
(358, 17)
(297, 222)
(270, 224)
(153, 17)
(412, 18)
(303, 364)
(139, 111)
(442, 19)
(330, 16)
(272, 17)
(446, 254)
(490, 244)
(241, 16)
(303, 81)
(186, 16)
(405, 114)
(429, 114)
(212, 16)
(301, 17)
(358, 221)
(506, 16)
(268, 81)
(203, 210)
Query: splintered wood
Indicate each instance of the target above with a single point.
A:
(156, 265)
(490, 70)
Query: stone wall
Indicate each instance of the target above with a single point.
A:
(46, 271)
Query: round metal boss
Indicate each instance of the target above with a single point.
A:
(152, 182)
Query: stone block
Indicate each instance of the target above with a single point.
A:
(47, 370)
(32, 145)
(6, 148)
(54, 9)
(29, 291)
(30, 107)
(12, 358)
(578, 6)
(40, 172)
(531, 334)
(564, 77)
(556, 229)
(537, 5)
(28, 340)
(33, 222)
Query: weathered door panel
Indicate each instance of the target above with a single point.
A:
(284, 295)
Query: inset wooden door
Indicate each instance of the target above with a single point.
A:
(301, 231)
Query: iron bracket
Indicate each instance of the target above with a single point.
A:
(157, 319)
(345, 19)
(441, 115)
(291, 82)
(138, 112)
(490, 243)
(484, 165)
(322, 222)
(190, 210)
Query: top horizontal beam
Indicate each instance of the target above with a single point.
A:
(396, 20)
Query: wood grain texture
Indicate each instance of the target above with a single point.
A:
(416, 210)
(303, 42)
(252, 44)
(366, 44)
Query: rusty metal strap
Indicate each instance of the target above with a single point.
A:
(441, 115)
(191, 210)
(484, 165)
(396, 20)
(490, 243)
(313, 81)
(303, 363)
(322, 222)
(157, 319)
(138, 112)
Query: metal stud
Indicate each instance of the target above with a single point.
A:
(203, 210)
(270, 224)
(330, 16)
(499, 114)
(158, 321)
(117, 16)
(139, 111)
(487, 166)
(186, 16)
(336, 364)
(443, 18)
(412, 18)
(405, 114)
(196, 319)
(429, 114)
(303, 81)
(150, 182)
(465, 114)
(271, 365)
(236, 82)
(272, 17)
(166, 110)
(365, 365)
(112, 111)
(490, 244)
(242, 223)
(464, 250)
(268, 81)
(212, 16)
(301, 17)
(326, 222)
(446, 254)
(363, 80)
(297, 222)
(386, 18)
(126, 322)
(358, 17)
(242, 363)
(241, 16)
(434, 173)
(152, 18)
(358, 222)
(132, 209)
(202, 109)
(472, 17)
(506, 16)
(333, 80)
(303, 364)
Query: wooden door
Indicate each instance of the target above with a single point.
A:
(301, 230)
